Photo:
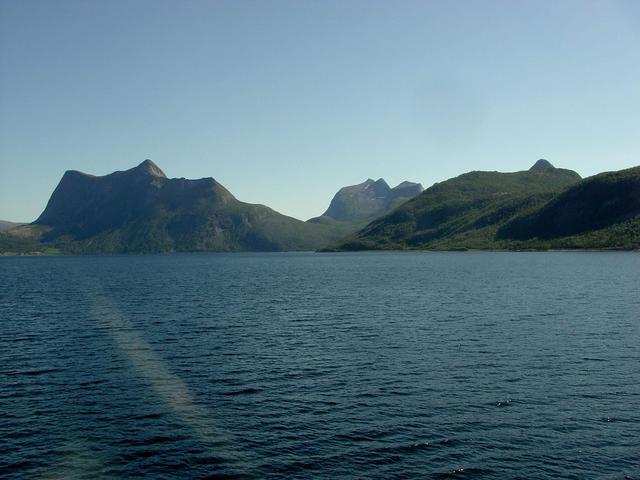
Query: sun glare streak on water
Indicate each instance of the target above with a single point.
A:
(154, 371)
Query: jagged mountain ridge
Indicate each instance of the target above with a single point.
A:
(368, 200)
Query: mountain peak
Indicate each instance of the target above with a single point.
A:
(368, 199)
(150, 168)
(542, 164)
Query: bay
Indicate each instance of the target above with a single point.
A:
(303, 365)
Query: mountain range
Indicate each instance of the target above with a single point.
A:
(141, 210)
(542, 208)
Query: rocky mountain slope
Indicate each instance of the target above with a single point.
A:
(370, 199)
(141, 210)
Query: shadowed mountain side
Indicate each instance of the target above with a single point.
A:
(594, 204)
(141, 210)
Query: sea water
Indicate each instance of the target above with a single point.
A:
(305, 365)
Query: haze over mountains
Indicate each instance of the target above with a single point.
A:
(141, 210)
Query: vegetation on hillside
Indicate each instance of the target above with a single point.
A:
(593, 205)
(142, 211)
(463, 212)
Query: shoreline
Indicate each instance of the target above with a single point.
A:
(470, 250)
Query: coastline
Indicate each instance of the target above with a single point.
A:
(454, 250)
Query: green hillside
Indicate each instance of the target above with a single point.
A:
(600, 212)
(543, 208)
(463, 212)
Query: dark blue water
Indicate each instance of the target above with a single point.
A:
(425, 365)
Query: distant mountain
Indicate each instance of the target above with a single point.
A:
(4, 225)
(538, 208)
(367, 200)
(141, 210)
(542, 164)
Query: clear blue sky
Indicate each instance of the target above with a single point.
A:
(284, 102)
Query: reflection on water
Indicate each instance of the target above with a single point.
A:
(168, 387)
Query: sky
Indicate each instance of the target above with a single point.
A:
(285, 102)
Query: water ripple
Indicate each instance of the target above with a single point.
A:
(492, 366)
